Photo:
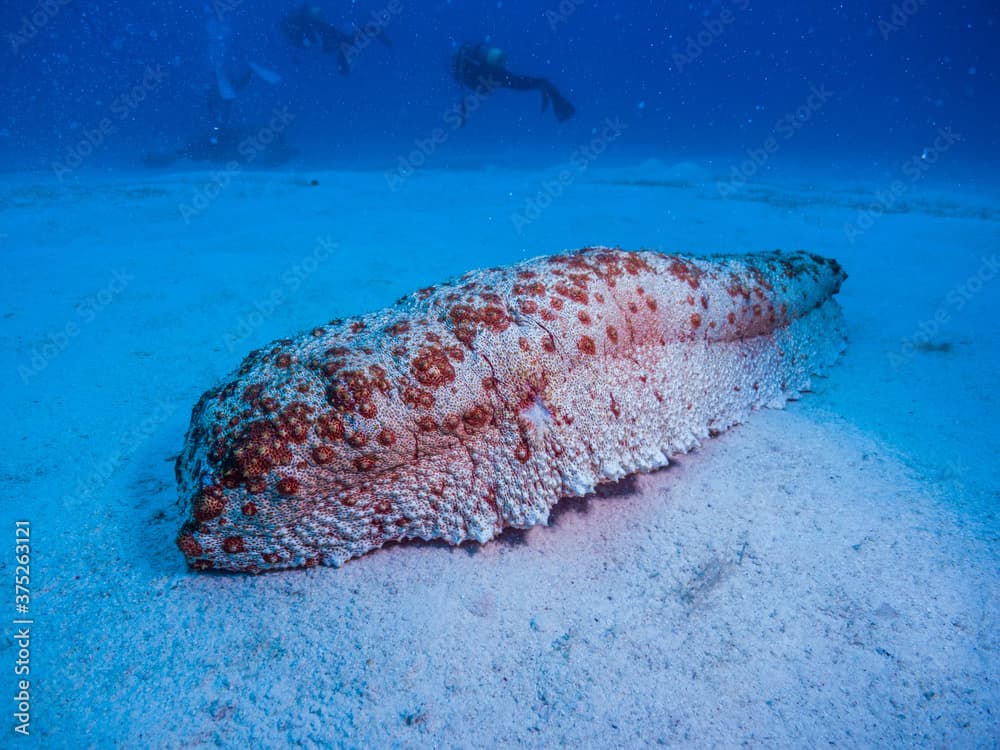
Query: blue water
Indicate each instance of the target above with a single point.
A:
(846, 86)
(823, 576)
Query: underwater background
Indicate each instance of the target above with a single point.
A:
(714, 79)
(183, 183)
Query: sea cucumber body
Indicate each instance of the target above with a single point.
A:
(475, 405)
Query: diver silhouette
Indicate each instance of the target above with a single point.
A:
(306, 27)
(483, 69)
(231, 73)
(228, 84)
(233, 146)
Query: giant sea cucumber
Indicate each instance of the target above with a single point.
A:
(473, 406)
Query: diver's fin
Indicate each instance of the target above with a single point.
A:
(563, 109)
(225, 87)
(561, 106)
(264, 74)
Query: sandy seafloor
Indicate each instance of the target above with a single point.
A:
(822, 576)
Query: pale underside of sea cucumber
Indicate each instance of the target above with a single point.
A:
(475, 405)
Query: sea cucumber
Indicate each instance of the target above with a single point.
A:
(475, 405)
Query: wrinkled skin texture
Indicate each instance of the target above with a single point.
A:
(475, 405)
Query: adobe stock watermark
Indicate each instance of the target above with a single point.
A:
(955, 301)
(292, 279)
(711, 29)
(900, 16)
(122, 106)
(87, 311)
(23, 620)
(784, 130)
(34, 22)
(562, 13)
(424, 148)
(249, 149)
(379, 21)
(914, 169)
(579, 161)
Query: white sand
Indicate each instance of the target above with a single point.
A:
(826, 575)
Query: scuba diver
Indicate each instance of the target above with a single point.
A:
(306, 27)
(483, 69)
(223, 94)
(230, 75)
(225, 146)
(221, 141)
